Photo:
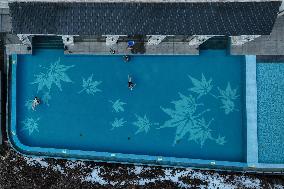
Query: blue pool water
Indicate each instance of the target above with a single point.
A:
(270, 119)
(181, 106)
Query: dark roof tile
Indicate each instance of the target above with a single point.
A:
(224, 18)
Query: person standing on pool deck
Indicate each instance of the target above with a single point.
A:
(131, 85)
(130, 45)
(112, 51)
(36, 102)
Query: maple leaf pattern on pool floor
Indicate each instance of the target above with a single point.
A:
(53, 75)
(117, 123)
(227, 97)
(188, 119)
(201, 87)
(90, 86)
(118, 105)
(143, 124)
(30, 125)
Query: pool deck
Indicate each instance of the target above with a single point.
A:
(100, 48)
(173, 48)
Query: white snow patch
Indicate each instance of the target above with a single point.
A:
(168, 176)
(95, 177)
(211, 181)
(278, 186)
(74, 164)
(36, 161)
(146, 181)
(214, 181)
(58, 168)
(138, 170)
(248, 182)
(147, 168)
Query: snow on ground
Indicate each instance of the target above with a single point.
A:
(211, 181)
(278, 186)
(95, 176)
(138, 170)
(74, 164)
(60, 173)
(36, 161)
(144, 175)
(248, 183)
(214, 181)
(58, 168)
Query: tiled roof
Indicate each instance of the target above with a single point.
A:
(224, 18)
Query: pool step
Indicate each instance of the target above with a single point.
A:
(47, 42)
(216, 42)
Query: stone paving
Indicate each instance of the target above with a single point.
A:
(17, 49)
(180, 48)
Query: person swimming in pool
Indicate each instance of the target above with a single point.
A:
(35, 103)
(126, 58)
(131, 85)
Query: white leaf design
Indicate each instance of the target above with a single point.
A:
(143, 124)
(90, 86)
(117, 105)
(187, 120)
(201, 87)
(53, 75)
(30, 125)
(227, 97)
(117, 123)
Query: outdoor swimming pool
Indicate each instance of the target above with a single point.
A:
(182, 107)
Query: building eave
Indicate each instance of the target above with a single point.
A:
(143, 1)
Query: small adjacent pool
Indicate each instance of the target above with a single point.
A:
(182, 109)
(270, 112)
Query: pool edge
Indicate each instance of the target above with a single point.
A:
(251, 110)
